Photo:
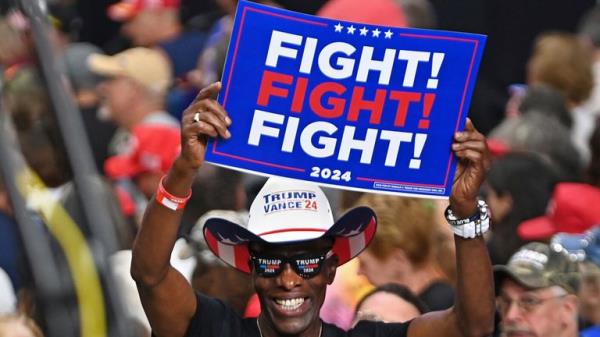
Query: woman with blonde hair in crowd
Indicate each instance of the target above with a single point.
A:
(404, 249)
(561, 61)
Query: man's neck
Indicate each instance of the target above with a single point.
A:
(140, 112)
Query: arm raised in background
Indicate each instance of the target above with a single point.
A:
(168, 299)
(473, 312)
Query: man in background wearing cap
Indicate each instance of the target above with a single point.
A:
(138, 171)
(156, 24)
(134, 89)
(537, 293)
(292, 247)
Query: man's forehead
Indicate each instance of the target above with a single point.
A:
(510, 287)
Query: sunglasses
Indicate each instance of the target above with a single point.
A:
(306, 265)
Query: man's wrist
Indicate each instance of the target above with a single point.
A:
(463, 208)
(182, 168)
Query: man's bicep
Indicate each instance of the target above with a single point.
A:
(170, 305)
(436, 323)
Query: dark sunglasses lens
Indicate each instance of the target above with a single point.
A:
(308, 267)
(267, 267)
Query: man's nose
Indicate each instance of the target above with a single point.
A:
(101, 88)
(288, 279)
(513, 312)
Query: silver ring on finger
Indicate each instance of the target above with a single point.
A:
(197, 117)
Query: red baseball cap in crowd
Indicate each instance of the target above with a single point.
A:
(127, 9)
(153, 148)
(573, 209)
(377, 12)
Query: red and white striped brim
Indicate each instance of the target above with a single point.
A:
(352, 233)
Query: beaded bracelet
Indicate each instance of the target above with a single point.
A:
(473, 226)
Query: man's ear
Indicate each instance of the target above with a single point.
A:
(571, 304)
(331, 266)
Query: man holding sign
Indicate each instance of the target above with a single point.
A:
(292, 248)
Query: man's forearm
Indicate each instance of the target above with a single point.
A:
(475, 288)
(158, 232)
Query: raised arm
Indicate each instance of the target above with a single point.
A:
(168, 299)
(473, 312)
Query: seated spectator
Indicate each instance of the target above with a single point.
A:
(212, 276)
(131, 94)
(535, 293)
(546, 100)
(378, 12)
(537, 132)
(389, 303)
(403, 250)
(153, 150)
(518, 187)
(569, 211)
(151, 24)
(561, 61)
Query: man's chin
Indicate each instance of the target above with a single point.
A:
(291, 325)
(519, 334)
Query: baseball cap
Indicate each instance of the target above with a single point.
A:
(153, 148)
(537, 265)
(289, 211)
(571, 210)
(127, 9)
(149, 67)
(75, 58)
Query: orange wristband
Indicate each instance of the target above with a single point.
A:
(170, 201)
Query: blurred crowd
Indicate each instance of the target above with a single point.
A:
(133, 66)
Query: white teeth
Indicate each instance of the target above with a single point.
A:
(290, 304)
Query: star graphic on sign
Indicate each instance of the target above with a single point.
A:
(364, 31)
(388, 34)
(351, 29)
(338, 28)
(376, 32)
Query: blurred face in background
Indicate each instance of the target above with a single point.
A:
(118, 94)
(546, 312)
(141, 29)
(382, 271)
(500, 205)
(589, 293)
(386, 307)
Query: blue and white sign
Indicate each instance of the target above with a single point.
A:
(345, 104)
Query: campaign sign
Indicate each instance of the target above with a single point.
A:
(344, 104)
